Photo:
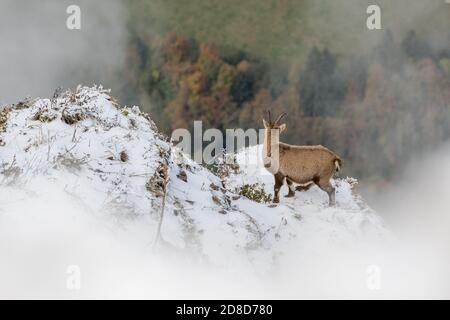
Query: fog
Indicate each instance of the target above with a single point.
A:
(42, 236)
(39, 53)
(398, 16)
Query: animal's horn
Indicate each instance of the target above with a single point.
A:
(280, 117)
(270, 116)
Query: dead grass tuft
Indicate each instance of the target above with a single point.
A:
(123, 156)
(158, 182)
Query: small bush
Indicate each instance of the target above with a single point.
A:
(223, 165)
(125, 112)
(12, 170)
(255, 192)
(71, 162)
(25, 104)
(4, 116)
(43, 116)
(72, 117)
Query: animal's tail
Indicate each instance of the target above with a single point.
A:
(338, 164)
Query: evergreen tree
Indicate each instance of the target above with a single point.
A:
(321, 90)
(242, 87)
(416, 48)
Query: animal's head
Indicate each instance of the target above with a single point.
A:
(271, 137)
(274, 125)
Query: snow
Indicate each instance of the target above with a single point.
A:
(50, 162)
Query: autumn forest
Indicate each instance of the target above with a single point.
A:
(377, 103)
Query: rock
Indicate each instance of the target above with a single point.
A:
(214, 187)
(182, 175)
(216, 200)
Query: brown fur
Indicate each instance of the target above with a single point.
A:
(304, 165)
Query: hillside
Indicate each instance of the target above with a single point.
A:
(79, 173)
(286, 30)
(375, 97)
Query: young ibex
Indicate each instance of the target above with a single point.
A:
(304, 165)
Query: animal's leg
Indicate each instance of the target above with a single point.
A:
(291, 188)
(279, 179)
(330, 190)
(304, 187)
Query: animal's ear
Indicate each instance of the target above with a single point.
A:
(265, 123)
(282, 127)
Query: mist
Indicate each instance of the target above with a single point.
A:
(39, 54)
(42, 235)
(345, 22)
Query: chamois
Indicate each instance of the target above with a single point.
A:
(304, 165)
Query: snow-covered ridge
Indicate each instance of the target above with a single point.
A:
(107, 158)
